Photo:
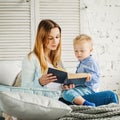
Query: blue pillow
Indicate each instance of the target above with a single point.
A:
(38, 91)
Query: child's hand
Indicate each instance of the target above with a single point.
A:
(67, 87)
(88, 77)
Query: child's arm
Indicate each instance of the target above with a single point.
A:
(67, 87)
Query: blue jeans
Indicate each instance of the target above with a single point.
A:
(102, 98)
(99, 98)
(71, 94)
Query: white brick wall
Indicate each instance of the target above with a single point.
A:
(101, 20)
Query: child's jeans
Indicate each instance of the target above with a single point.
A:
(71, 94)
(99, 98)
(102, 98)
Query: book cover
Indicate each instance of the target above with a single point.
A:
(68, 78)
(61, 75)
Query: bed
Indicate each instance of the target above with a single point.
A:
(40, 104)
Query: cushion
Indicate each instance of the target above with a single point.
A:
(9, 71)
(18, 80)
(28, 106)
(38, 91)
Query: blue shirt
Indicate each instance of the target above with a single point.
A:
(89, 65)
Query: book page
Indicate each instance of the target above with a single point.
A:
(77, 75)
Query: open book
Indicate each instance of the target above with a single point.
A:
(68, 78)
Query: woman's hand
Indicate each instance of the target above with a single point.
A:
(47, 78)
(88, 77)
(67, 87)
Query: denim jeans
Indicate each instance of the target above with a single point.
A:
(102, 98)
(99, 98)
(71, 94)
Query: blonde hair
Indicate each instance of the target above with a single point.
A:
(43, 31)
(83, 37)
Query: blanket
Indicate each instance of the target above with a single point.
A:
(104, 112)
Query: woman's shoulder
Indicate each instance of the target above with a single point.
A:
(31, 57)
(31, 62)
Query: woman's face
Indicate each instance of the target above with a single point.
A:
(53, 39)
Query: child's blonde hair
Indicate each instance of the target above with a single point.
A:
(83, 37)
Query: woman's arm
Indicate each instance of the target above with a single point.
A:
(30, 72)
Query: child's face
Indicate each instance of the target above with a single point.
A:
(82, 49)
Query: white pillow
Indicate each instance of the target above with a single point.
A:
(27, 106)
(9, 71)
